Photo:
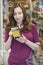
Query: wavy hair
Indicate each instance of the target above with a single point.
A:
(13, 23)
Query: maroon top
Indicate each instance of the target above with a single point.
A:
(20, 52)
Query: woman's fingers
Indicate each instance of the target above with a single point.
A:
(20, 39)
(23, 36)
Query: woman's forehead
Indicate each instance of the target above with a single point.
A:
(17, 9)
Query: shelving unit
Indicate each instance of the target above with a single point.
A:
(37, 15)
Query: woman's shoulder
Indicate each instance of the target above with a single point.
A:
(32, 26)
(6, 30)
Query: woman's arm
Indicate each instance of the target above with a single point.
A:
(34, 46)
(7, 43)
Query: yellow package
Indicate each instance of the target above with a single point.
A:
(15, 32)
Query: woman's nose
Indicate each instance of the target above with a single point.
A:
(17, 15)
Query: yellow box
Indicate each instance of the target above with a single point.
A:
(15, 32)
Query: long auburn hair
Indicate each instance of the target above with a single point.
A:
(13, 23)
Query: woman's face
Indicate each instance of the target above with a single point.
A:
(18, 14)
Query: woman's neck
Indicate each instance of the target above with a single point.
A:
(20, 25)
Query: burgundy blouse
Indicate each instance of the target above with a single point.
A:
(20, 52)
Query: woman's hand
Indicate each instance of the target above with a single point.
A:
(21, 39)
(10, 33)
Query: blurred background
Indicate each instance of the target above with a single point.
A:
(34, 10)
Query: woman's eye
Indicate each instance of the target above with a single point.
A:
(19, 13)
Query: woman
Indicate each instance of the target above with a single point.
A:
(21, 48)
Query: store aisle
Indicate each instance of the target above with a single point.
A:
(38, 60)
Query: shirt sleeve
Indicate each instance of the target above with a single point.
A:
(6, 35)
(35, 33)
